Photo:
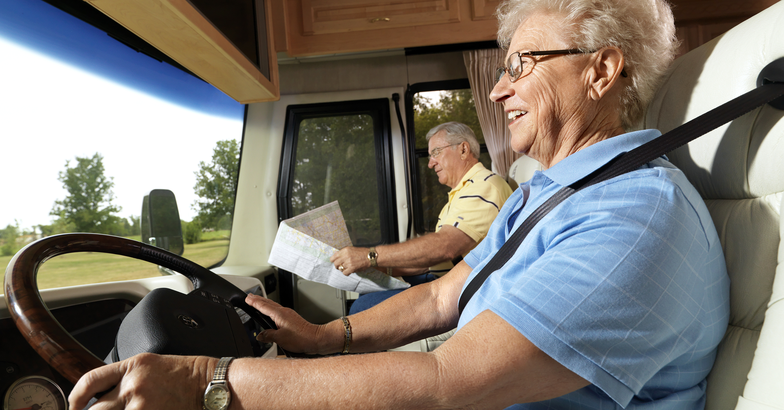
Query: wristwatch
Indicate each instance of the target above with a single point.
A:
(372, 255)
(217, 396)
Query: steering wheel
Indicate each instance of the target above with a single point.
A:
(42, 331)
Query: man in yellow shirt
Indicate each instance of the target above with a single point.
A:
(476, 197)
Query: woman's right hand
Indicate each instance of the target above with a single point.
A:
(294, 333)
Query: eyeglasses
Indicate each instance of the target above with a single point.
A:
(520, 64)
(437, 151)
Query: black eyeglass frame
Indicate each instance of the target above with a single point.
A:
(505, 69)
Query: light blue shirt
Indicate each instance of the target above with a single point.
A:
(624, 283)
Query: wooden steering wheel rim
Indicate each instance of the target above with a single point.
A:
(31, 316)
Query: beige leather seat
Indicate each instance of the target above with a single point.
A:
(522, 170)
(739, 171)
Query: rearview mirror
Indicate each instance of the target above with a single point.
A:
(161, 225)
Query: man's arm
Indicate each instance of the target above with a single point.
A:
(421, 252)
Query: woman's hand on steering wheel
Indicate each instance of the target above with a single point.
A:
(294, 333)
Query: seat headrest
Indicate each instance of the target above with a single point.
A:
(735, 160)
(522, 170)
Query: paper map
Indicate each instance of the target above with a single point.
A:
(304, 244)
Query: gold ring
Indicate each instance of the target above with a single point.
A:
(341, 268)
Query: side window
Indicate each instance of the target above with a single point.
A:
(341, 152)
(430, 104)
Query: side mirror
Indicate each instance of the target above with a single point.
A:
(160, 222)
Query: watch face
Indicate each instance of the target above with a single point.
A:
(216, 397)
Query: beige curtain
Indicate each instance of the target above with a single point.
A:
(481, 65)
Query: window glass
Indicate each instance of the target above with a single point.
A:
(90, 126)
(432, 108)
(340, 152)
(336, 162)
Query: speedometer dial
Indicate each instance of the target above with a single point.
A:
(35, 393)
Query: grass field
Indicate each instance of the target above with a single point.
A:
(81, 268)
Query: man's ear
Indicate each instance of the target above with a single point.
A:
(605, 71)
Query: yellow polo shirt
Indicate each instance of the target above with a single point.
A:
(472, 206)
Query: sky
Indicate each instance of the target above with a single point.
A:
(55, 107)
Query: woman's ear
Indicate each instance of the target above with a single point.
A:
(605, 71)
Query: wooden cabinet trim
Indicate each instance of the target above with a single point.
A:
(180, 31)
(329, 16)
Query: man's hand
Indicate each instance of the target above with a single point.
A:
(352, 259)
(294, 333)
(420, 252)
(146, 381)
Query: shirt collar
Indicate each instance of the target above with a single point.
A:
(576, 166)
(468, 175)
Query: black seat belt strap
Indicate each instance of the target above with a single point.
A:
(625, 163)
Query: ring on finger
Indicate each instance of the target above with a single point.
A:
(341, 268)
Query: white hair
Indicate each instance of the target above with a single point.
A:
(644, 30)
(455, 133)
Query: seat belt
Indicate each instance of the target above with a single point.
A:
(629, 161)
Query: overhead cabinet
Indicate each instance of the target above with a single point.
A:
(193, 38)
(316, 27)
(328, 16)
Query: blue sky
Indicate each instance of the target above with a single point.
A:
(70, 90)
(38, 26)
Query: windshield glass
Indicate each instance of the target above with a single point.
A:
(90, 126)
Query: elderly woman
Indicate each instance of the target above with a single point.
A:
(618, 297)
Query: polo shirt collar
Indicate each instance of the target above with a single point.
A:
(576, 166)
(468, 175)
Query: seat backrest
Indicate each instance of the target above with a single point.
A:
(522, 170)
(739, 171)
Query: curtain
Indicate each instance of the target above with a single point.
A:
(481, 65)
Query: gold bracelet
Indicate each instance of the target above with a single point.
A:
(349, 336)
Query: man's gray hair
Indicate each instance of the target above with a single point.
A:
(643, 29)
(456, 133)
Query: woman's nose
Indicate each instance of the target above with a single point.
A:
(502, 89)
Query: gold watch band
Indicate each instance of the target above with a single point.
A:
(221, 369)
(349, 337)
(373, 256)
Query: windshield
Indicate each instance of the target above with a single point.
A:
(91, 126)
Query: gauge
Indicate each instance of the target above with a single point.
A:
(35, 393)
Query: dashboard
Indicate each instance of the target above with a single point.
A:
(93, 324)
(92, 314)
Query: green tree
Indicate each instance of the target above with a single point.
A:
(192, 232)
(336, 160)
(60, 225)
(88, 205)
(8, 237)
(135, 226)
(216, 184)
(452, 105)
